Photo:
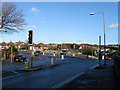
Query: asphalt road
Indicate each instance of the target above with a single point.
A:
(52, 77)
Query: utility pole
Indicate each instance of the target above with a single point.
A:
(104, 34)
(104, 38)
(32, 57)
(99, 52)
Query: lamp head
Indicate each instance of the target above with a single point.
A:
(92, 13)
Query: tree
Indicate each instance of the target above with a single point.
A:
(13, 48)
(12, 18)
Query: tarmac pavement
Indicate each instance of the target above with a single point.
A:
(99, 77)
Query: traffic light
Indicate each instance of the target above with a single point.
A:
(30, 38)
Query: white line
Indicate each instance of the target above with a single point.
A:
(72, 78)
(67, 81)
(94, 66)
(15, 72)
(11, 76)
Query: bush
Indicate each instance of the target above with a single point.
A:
(88, 51)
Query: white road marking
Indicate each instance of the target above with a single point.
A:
(68, 80)
(11, 76)
(15, 72)
(72, 78)
(94, 66)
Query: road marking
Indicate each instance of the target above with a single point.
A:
(10, 71)
(72, 78)
(11, 76)
(93, 67)
(15, 72)
(68, 80)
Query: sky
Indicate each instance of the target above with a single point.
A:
(68, 22)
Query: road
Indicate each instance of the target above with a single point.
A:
(52, 77)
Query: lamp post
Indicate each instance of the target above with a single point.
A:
(104, 33)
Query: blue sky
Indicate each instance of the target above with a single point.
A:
(68, 22)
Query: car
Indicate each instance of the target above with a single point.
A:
(20, 58)
(36, 53)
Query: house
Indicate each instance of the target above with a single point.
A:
(40, 46)
(4, 44)
(52, 46)
(19, 44)
(8, 44)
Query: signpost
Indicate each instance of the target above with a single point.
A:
(58, 47)
(11, 53)
(99, 52)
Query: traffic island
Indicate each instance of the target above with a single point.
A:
(31, 69)
(61, 59)
(36, 68)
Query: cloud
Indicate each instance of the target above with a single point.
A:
(113, 26)
(35, 10)
(32, 26)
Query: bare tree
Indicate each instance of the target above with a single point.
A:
(12, 19)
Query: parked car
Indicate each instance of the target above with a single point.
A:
(20, 58)
(36, 53)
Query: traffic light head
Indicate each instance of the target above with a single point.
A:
(30, 38)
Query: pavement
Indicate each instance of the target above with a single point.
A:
(99, 77)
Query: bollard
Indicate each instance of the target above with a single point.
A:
(52, 60)
(43, 53)
(2, 58)
(62, 56)
(73, 55)
(26, 63)
(103, 57)
(54, 54)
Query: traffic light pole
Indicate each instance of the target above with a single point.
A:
(32, 57)
(30, 41)
(11, 52)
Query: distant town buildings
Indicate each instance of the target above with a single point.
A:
(63, 46)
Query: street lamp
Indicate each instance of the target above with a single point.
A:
(104, 33)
